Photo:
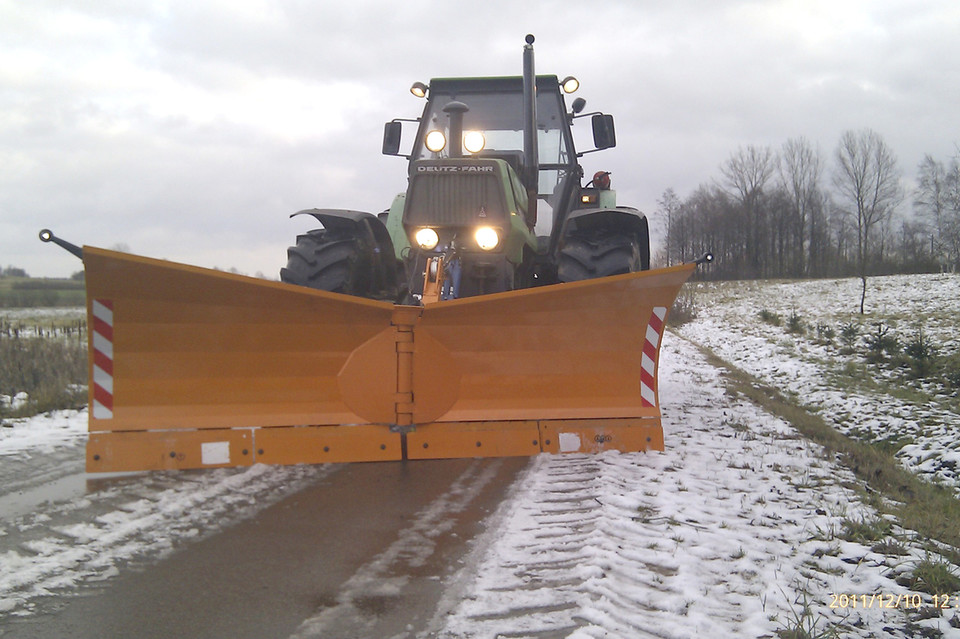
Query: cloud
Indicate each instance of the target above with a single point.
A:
(191, 130)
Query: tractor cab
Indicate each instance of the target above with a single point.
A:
(493, 174)
(491, 126)
(493, 200)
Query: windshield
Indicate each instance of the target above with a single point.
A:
(499, 116)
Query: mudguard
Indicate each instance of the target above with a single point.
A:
(192, 367)
(358, 223)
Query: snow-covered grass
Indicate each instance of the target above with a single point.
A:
(875, 403)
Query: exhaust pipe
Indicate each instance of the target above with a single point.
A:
(530, 153)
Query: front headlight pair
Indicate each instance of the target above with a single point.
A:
(473, 141)
(486, 238)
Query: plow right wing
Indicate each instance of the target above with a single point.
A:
(563, 368)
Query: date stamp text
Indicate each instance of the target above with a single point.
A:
(910, 601)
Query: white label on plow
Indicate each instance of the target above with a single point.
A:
(569, 442)
(215, 453)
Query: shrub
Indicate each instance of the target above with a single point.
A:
(882, 342)
(949, 369)
(825, 333)
(921, 355)
(795, 323)
(684, 309)
(849, 334)
(770, 317)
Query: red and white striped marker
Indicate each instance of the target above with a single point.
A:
(102, 359)
(648, 362)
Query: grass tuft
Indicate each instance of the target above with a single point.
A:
(866, 529)
(934, 576)
(770, 317)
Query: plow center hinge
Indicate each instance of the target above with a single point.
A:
(404, 320)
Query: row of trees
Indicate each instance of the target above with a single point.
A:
(12, 271)
(782, 213)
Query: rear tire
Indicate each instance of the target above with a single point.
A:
(337, 262)
(585, 258)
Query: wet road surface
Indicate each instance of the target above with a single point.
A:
(363, 552)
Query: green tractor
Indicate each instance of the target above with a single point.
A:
(494, 201)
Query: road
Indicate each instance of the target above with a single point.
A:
(361, 551)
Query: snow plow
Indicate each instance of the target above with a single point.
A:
(445, 327)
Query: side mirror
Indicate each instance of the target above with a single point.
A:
(604, 135)
(391, 138)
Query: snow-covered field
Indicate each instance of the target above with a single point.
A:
(866, 401)
(740, 527)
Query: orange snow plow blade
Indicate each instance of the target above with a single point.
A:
(192, 368)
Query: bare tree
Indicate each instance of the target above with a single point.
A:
(868, 181)
(931, 200)
(951, 230)
(937, 199)
(668, 206)
(746, 172)
(800, 171)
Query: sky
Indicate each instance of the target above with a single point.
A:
(191, 130)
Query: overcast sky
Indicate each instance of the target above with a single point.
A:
(190, 130)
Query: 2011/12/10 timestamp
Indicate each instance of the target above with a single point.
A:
(884, 600)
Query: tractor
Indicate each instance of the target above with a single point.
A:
(494, 201)
(499, 307)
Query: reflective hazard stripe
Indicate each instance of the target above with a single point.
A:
(648, 361)
(102, 359)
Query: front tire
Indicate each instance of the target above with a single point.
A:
(340, 263)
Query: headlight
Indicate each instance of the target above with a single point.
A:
(427, 239)
(436, 141)
(570, 84)
(487, 238)
(419, 89)
(473, 141)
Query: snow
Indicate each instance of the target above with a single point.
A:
(43, 433)
(49, 548)
(875, 405)
(738, 527)
(733, 529)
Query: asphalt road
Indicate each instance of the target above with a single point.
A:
(366, 551)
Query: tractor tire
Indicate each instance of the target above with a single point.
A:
(585, 258)
(335, 262)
